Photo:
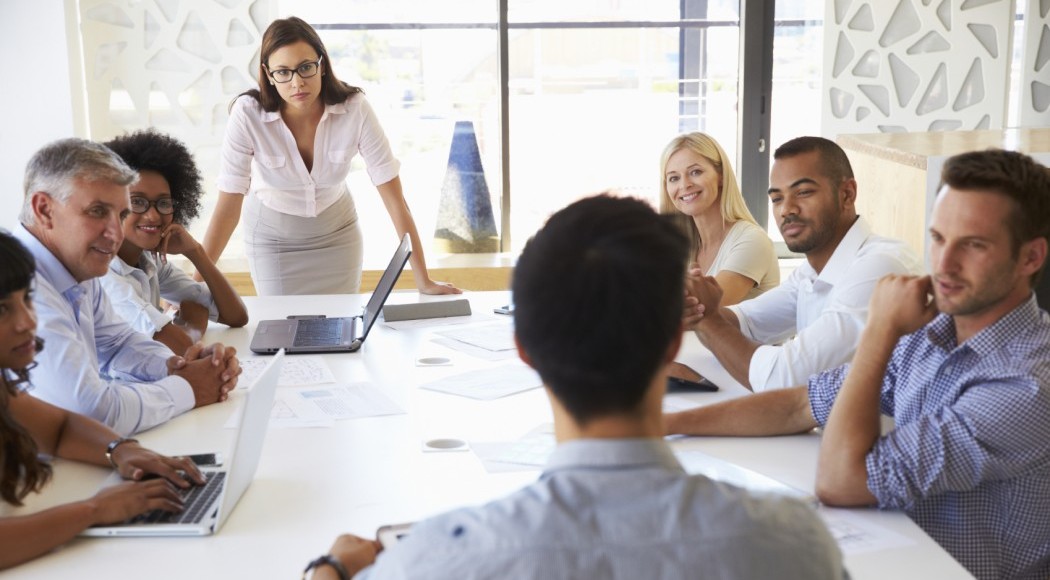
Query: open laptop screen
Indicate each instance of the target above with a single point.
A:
(386, 283)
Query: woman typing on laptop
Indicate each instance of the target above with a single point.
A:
(29, 426)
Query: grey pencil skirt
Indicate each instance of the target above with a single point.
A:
(290, 254)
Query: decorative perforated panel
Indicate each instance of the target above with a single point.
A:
(916, 65)
(1035, 67)
(170, 64)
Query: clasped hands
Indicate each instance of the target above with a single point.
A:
(212, 371)
(702, 297)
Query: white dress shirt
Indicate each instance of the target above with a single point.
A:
(93, 362)
(827, 311)
(259, 154)
(135, 292)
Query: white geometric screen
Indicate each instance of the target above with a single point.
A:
(170, 64)
(1035, 66)
(916, 65)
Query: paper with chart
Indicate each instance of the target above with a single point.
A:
(290, 411)
(295, 371)
(488, 384)
(529, 452)
(350, 401)
(855, 535)
(486, 341)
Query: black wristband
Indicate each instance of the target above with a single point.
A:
(331, 561)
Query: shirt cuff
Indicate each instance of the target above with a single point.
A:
(156, 318)
(180, 391)
(761, 368)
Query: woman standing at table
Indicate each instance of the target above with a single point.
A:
(288, 149)
(700, 188)
(29, 427)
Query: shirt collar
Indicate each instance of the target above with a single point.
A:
(845, 253)
(47, 265)
(122, 268)
(611, 454)
(941, 331)
(336, 109)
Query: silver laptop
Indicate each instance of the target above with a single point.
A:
(299, 334)
(207, 507)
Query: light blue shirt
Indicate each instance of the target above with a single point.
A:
(618, 509)
(135, 292)
(93, 363)
(968, 459)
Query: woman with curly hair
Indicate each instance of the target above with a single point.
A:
(164, 200)
(700, 189)
(285, 159)
(30, 427)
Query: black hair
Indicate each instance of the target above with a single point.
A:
(598, 298)
(21, 469)
(833, 159)
(154, 151)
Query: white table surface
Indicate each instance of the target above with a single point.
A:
(315, 483)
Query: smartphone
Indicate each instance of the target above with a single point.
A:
(206, 459)
(508, 309)
(677, 385)
(392, 534)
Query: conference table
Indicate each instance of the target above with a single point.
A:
(356, 475)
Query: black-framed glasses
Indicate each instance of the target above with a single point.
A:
(305, 71)
(164, 205)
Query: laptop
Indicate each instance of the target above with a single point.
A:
(303, 334)
(207, 507)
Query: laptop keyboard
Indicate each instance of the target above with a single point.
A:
(196, 500)
(318, 332)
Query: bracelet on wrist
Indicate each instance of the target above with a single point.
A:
(330, 560)
(112, 447)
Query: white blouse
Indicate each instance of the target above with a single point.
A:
(259, 155)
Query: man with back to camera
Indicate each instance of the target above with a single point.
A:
(613, 502)
(824, 303)
(966, 376)
(76, 196)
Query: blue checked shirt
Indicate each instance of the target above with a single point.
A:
(618, 509)
(969, 459)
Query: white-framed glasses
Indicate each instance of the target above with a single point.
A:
(305, 71)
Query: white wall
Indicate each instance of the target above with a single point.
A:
(36, 100)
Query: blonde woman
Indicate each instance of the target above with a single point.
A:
(700, 188)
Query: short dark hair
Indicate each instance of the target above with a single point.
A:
(833, 159)
(281, 33)
(1011, 174)
(598, 298)
(153, 151)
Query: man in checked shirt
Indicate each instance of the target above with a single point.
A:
(965, 375)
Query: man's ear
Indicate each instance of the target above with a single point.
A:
(43, 209)
(1033, 255)
(848, 191)
(524, 356)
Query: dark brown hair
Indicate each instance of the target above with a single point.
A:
(1015, 176)
(281, 33)
(21, 470)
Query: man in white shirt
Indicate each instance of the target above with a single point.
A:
(93, 363)
(813, 320)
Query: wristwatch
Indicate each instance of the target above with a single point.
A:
(329, 560)
(113, 445)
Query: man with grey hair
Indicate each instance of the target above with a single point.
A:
(76, 196)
